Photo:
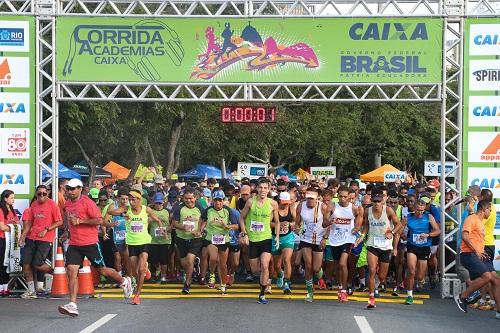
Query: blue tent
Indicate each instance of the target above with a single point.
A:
(63, 172)
(283, 172)
(201, 171)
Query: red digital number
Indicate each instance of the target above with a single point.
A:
(239, 114)
(248, 115)
(272, 114)
(226, 115)
(261, 115)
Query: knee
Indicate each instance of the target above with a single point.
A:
(411, 271)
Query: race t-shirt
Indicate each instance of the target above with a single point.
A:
(217, 234)
(43, 215)
(11, 218)
(189, 218)
(157, 233)
(84, 209)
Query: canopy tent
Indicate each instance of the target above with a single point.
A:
(301, 174)
(377, 175)
(62, 172)
(203, 170)
(117, 171)
(83, 169)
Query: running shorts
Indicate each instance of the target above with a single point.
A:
(186, 246)
(75, 255)
(383, 255)
(338, 250)
(286, 242)
(35, 252)
(474, 265)
(255, 249)
(421, 252)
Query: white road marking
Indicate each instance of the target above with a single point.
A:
(98, 323)
(363, 324)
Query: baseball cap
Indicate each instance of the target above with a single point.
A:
(158, 198)
(74, 183)
(377, 195)
(206, 192)
(218, 195)
(434, 183)
(94, 193)
(425, 199)
(245, 189)
(311, 195)
(284, 197)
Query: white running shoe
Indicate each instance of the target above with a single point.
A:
(127, 287)
(28, 294)
(68, 309)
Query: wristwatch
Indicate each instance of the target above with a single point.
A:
(325, 237)
(47, 229)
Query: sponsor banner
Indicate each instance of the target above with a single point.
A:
(483, 147)
(328, 172)
(252, 170)
(433, 168)
(392, 176)
(484, 111)
(485, 178)
(14, 36)
(484, 75)
(15, 108)
(15, 177)
(345, 50)
(484, 39)
(14, 72)
(21, 204)
(14, 143)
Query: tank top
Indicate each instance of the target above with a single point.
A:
(285, 227)
(137, 228)
(418, 226)
(312, 218)
(341, 230)
(258, 221)
(378, 227)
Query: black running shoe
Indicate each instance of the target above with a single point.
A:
(461, 303)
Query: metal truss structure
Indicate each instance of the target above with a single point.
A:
(448, 92)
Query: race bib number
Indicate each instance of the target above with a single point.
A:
(257, 226)
(310, 227)
(340, 235)
(419, 240)
(380, 242)
(284, 227)
(218, 239)
(160, 231)
(119, 235)
(136, 227)
(188, 225)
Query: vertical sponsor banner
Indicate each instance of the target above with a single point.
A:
(481, 112)
(17, 107)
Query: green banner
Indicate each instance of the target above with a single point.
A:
(343, 50)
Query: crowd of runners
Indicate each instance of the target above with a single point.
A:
(343, 236)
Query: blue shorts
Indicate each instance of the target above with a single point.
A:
(328, 254)
(474, 265)
(357, 249)
(286, 242)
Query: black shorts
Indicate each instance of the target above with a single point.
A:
(422, 252)
(383, 255)
(314, 247)
(255, 249)
(35, 252)
(135, 250)
(234, 248)
(75, 255)
(490, 251)
(220, 247)
(158, 253)
(338, 250)
(474, 265)
(186, 246)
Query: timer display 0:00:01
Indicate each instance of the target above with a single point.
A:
(248, 114)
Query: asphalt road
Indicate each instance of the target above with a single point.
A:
(242, 315)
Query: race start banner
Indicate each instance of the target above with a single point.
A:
(17, 103)
(318, 50)
(481, 112)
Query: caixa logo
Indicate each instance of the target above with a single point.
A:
(388, 31)
(486, 39)
(12, 107)
(486, 111)
(490, 183)
(144, 47)
(11, 179)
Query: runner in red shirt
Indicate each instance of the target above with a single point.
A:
(7, 216)
(83, 218)
(40, 223)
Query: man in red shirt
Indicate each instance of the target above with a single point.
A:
(83, 218)
(38, 234)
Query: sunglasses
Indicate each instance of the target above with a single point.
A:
(42, 194)
(69, 188)
(101, 200)
(376, 201)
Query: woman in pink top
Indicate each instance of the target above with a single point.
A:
(7, 216)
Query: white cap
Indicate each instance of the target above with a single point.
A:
(74, 183)
(284, 197)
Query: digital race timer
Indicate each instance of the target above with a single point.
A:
(248, 114)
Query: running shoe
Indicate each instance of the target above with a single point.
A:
(279, 282)
(350, 291)
(362, 288)
(343, 296)
(127, 287)
(417, 288)
(322, 284)
(329, 285)
(262, 300)
(185, 289)
(371, 303)
(163, 280)
(147, 274)
(395, 292)
(29, 294)
(409, 300)
(136, 300)
(249, 277)
(229, 279)
(309, 298)
(497, 315)
(286, 289)
(382, 287)
(433, 282)
(223, 290)
(377, 294)
(461, 303)
(211, 281)
(202, 281)
(474, 297)
(68, 309)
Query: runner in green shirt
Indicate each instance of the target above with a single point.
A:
(160, 238)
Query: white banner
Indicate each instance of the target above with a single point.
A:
(15, 108)
(14, 72)
(433, 168)
(484, 39)
(484, 111)
(14, 36)
(326, 171)
(485, 178)
(392, 176)
(484, 75)
(252, 170)
(484, 147)
(14, 143)
(15, 177)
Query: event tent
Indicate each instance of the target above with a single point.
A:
(83, 169)
(203, 170)
(377, 175)
(117, 171)
(62, 171)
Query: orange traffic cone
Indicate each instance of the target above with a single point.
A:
(60, 279)
(85, 280)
